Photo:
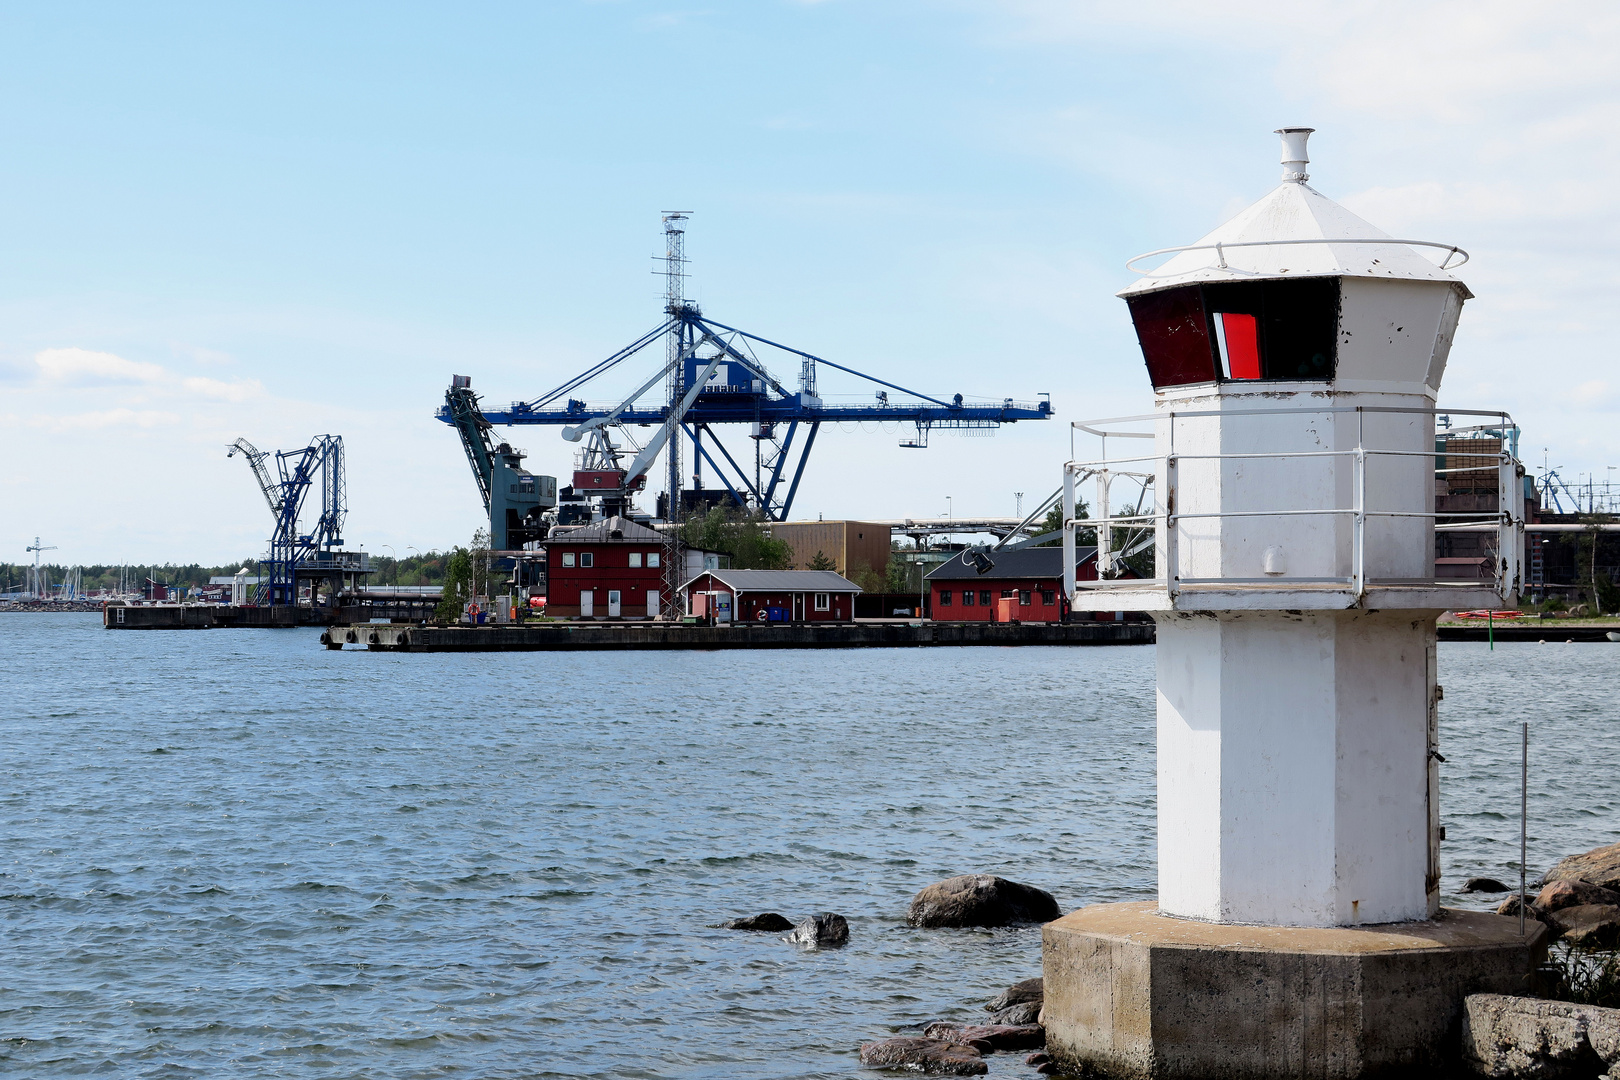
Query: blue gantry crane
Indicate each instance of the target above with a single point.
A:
(294, 553)
(713, 376)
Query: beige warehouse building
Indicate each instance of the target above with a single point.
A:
(849, 544)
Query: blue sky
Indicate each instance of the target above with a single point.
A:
(277, 222)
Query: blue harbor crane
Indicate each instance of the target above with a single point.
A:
(294, 553)
(714, 377)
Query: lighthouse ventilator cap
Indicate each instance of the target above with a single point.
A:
(1264, 241)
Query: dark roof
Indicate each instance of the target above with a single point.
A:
(603, 532)
(782, 580)
(1010, 563)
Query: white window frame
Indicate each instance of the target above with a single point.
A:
(587, 558)
(652, 560)
(568, 558)
(635, 560)
(823, 601)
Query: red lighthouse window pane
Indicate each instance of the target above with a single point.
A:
(1174, 335)
(1239, 339)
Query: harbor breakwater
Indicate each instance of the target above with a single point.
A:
(581, 636)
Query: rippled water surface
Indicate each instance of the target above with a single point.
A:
(233, 853)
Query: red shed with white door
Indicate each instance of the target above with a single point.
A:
(768, 596)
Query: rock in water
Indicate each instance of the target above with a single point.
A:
(931, 1056)
(770, 920)
(1485, 884)
(822, 931)
(1510, 906)
(1017, 994)
(980, 900)
(1526, 1037)
(984, 1037)
(1600, 866)
(1591, 926)
(1025, 1012)
(1564, 894)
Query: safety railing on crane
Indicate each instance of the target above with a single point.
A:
(1119, 536)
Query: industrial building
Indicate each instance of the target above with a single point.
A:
(612, 569)
(851, 545)
(1022, 585)
(771, 596)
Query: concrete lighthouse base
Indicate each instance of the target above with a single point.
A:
(1134, 995)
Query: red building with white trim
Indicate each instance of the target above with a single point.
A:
(611, 569)
(771, 596)
(1023, 585)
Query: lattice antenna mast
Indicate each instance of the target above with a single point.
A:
(679, 334)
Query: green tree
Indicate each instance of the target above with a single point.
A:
(1592, 552)
(740, 535)
(904, 576)
(819, 561)
(458, 585)
(478, 557)
(862, 574)
(1053, 522)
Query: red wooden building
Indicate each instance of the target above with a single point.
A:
(1024, 585)
(611, 569)
(771, 596)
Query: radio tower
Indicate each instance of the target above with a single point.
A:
(674, 304)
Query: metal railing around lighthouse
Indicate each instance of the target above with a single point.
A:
(1506, 521)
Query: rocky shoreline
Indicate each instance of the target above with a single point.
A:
(944, 1048)
(1535, 1036)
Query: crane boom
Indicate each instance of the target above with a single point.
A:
(461, 407)
(255, 458)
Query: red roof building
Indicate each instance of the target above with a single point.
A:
(611, 569)
(771, 596)
(1023, 585)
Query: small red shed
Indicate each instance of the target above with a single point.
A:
(610, 569)
(771, 596)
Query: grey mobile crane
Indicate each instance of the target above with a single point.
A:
(514, 497)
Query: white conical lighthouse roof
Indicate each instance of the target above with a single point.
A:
(1295, 211)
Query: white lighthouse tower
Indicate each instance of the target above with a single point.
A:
(1295, 354)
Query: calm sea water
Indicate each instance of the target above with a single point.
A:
(233, 853)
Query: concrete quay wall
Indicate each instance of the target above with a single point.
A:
(203, 617)
(584, 636)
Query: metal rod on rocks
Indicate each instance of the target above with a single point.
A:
(1524, 806)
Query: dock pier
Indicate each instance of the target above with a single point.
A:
(559, 637)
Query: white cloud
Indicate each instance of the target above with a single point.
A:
(235, 390)
(100, 420)
(84, 367)
(88, 369)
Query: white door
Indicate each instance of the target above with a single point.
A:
(652, 603)
(614, 606)
(587, 603)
